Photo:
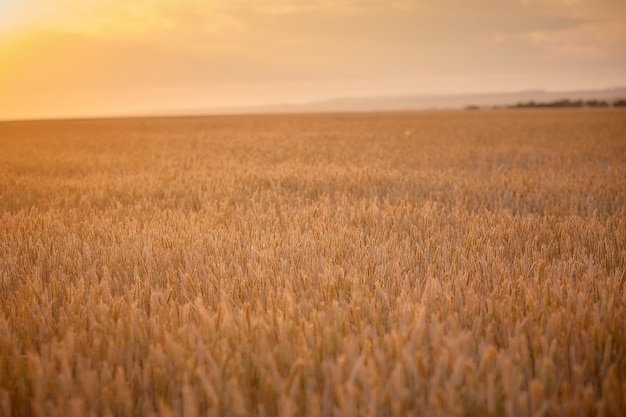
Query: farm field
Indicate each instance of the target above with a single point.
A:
(432, 263)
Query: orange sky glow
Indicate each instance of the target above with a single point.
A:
(77, 58)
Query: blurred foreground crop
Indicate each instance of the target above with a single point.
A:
(452, 263)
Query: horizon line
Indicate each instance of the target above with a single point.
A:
(299, 107)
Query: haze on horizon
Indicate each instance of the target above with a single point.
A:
(76, 58)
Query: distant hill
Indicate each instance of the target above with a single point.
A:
(427, 102)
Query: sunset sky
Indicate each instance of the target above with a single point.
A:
(66, 58)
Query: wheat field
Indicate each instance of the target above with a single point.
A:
(424, 264)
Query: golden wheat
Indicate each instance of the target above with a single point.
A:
(440, 264)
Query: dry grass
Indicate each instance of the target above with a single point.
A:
(440, 264)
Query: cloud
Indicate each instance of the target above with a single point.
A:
(590, 40)
(190, 52)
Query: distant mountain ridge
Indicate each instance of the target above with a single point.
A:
(430, 102)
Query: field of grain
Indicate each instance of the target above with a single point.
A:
(434, 263)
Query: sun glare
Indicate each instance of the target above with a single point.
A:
(214, 53)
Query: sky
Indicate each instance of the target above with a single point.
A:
(77, 58)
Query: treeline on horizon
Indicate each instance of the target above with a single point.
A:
(558, 104)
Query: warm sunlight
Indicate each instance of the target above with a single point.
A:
(316, 208)
(74, 58)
